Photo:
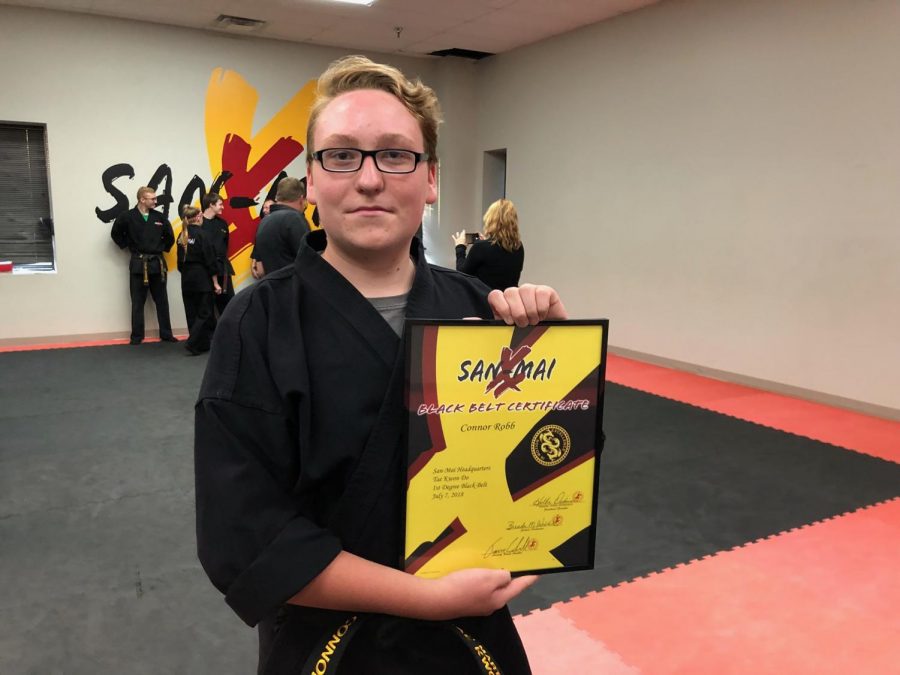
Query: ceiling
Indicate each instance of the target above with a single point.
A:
(412, 27)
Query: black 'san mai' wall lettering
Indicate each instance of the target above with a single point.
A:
(193, 191)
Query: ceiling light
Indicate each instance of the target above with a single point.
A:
(357, 2)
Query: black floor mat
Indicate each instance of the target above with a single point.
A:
(81, 426)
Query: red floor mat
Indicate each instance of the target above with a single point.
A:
(819, 599)
(74, 345)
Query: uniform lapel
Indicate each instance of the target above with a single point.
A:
(137, 220)
(345, 300)
(369, 496)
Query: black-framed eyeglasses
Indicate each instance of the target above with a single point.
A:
(389, 160)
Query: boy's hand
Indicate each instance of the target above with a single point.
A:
(473, 592)
(527, 305)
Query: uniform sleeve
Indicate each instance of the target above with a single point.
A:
(254, 540)
(168, 235)
(119, 232)
(209, 256)
(228, 268)
(253, 253)
(460, 257)
(295, 232)
(468, 263)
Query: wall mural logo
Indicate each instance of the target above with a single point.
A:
(244, 164)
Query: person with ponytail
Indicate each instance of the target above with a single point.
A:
(497, 257)
(199, 282)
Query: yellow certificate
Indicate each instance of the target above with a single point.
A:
(504, 442)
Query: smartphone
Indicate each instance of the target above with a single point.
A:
(472, 237)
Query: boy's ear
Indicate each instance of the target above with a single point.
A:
(431, 197)
(310, 185)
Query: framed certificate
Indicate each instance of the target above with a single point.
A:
(503, 445)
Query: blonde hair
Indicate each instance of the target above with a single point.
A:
(188, 212)
(353, 73)
(144, 190)
(501, 225)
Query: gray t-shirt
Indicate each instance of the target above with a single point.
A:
(393, 310)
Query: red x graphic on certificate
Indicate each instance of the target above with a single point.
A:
(508, 362)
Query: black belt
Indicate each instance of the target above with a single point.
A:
(144, 258)
(326, 656)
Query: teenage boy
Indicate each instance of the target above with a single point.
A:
(298, 427)
(217, 232)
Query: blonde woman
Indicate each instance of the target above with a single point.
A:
(498, 256)
(199, 268)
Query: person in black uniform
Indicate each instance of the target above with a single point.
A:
(148, 236)
(298, 438)
(217, 232)
(199, 280)
(279, 233)
(497, 257)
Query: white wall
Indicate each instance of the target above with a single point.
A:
(114, 91)
(720, 179)
(454, 79)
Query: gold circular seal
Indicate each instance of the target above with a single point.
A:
(550, 445)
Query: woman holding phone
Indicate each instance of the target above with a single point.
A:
(496, 257)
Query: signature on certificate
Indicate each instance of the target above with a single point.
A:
(559, 501)
(515, 546)
(527, 525)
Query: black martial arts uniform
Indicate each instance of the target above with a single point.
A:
(278, 237)
(197, 264)
(299, 455)
(217, 231)
(147, 241)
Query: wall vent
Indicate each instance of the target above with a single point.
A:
(238, 24)
(462, 53)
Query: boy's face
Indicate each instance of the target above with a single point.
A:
(368, 212)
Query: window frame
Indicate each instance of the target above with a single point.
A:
(35, 182)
